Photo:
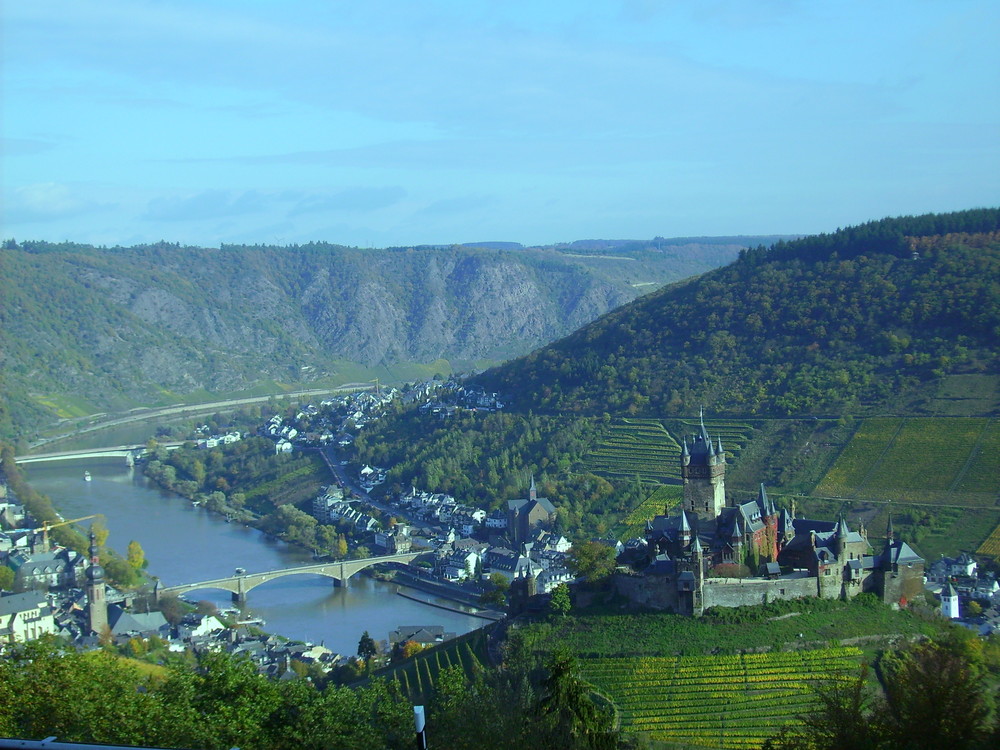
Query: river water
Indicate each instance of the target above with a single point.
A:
(185, 544)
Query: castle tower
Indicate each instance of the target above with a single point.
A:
(97, 606)
(840, 540)
(703, 471)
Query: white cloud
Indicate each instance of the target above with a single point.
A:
(46, 200)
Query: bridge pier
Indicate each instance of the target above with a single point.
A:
(240, 595)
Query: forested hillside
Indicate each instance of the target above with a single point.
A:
(86, 329)
(876, 316)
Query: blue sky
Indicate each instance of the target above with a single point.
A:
(395, 123)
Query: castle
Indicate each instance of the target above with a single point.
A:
(697, 558)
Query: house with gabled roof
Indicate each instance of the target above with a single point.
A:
(24, 617)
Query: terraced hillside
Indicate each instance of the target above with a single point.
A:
(734, 701)
(941, 475)
(636, 447)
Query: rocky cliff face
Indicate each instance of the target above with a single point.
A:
(121, 326)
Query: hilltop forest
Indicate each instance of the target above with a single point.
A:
(862, 319)
(85, 329)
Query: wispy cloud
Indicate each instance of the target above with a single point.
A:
(357, 199)
(46, 201)
(209, 204)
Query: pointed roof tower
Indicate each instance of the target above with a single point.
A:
(842, 530)
(532, 490)
(696, 546)
(766, 506)
(701, 420)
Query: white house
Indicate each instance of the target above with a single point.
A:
(24, 617)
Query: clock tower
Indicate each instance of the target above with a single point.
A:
(703, 471)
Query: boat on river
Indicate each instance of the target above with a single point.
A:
(86, 476)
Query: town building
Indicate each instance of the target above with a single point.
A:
(525, 515)
(25, 616)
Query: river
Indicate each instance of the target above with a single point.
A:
(185, 544)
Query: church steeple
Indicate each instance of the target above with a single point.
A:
(97, 606)
(532, 490)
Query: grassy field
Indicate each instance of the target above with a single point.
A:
(644, 447)
(733, 701)
(605, 631)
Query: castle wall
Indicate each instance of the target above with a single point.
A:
(655, 592)
(906, 583)
(740, 592)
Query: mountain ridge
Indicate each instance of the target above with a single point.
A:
(121, 327)
(828, 324)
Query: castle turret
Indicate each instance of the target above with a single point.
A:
(685, 529)
(840, 539)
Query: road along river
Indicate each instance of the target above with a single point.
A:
(185, 544)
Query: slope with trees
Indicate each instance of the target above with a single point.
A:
(859, 319)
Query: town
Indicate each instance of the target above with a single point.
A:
(502, 563)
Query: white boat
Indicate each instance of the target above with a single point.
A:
(86, 476)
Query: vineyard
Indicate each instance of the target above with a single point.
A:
(416, 676)
(733, 701)
(658, 503)
(991, 546)
(955, 461)
(636, 447)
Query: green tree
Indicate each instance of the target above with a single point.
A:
(6, 578)
(367, 648)
(592, 560)
(568, 715)
(559, 603)
(136, 556)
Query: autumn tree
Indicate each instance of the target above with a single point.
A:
(136, 556)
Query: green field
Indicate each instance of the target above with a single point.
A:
(645, 448)
(733, 701)
(636, 447)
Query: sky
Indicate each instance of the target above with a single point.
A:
(376, 123)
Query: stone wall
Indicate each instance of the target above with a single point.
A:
(736, 592)
(655, 592)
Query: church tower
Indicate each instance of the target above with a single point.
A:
(703, 471)
(97, 605)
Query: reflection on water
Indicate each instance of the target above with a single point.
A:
(185, 544)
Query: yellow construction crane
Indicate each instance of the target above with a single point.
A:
(46, 525)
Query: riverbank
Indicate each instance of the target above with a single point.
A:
(485, 614)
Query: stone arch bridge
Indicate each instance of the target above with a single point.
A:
(240, 585)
